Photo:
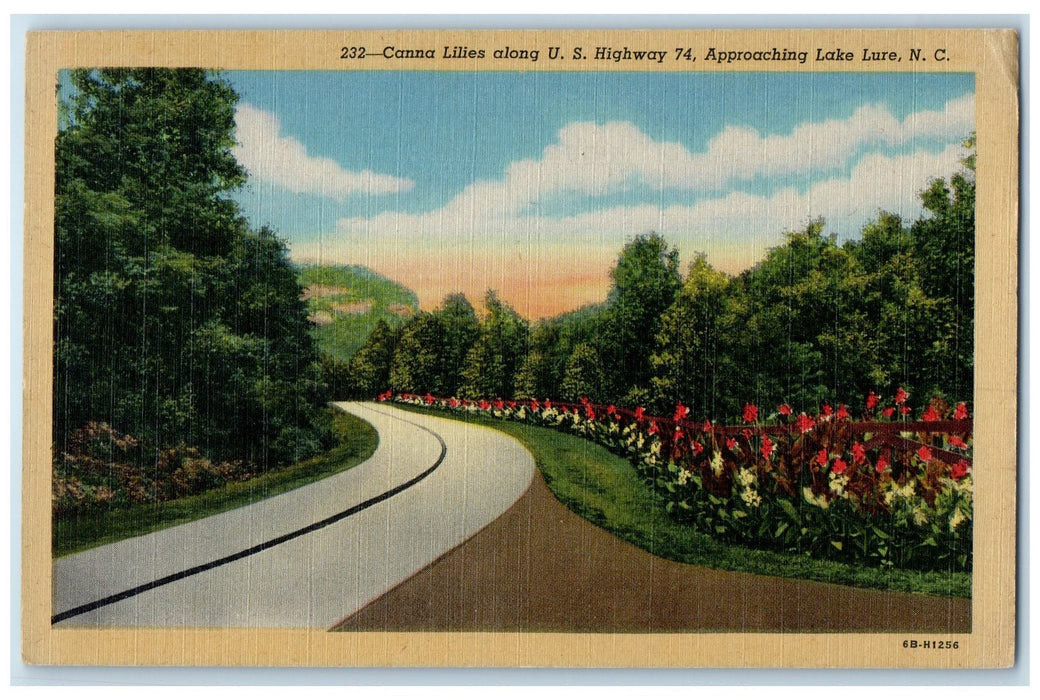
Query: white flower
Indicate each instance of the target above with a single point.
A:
(684, 476)
(716, 463)
(838, 484)
(751, 497)
(818, 501)
(746, 477)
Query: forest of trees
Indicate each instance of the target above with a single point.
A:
(177, 325)
(813, 321)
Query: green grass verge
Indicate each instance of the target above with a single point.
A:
(605, 490)
(356, 441)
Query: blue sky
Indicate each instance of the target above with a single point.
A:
(533, 181)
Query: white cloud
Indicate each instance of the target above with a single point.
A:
(600, 159)
(494, 230)
(734, 229)
(282, 160)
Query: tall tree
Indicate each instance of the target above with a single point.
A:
(369, 368)
(805, 337)
(693, 362)
(492, 362)
(645, 281)
(944, 247)
(583, 377)
(174, 321)
(461, 329)
(419, 356)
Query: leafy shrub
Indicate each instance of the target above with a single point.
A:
(882, 491)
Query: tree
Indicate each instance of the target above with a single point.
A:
(944, 248)
(461, 328)
(645, 281)
(538, 375)
(369, 368)
(174, 321)
(805, 339)
(583, 377)
(419, 356)
(693, 362)
(492, 362)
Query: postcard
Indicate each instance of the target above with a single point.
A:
(584, 348)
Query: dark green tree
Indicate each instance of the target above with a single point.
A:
(805, 337)
(693, 360)
(174, 321)
(944, 249)
(418, 361)
(492, 362)
(369, 368)
(645, 281)
(461, 329)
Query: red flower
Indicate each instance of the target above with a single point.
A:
(697, 448)
(707, 426)
(453, 402)
(429, 399)
(484, 405)
(767, 447)
(612, 410)
(827, 410)
(500, 404)
(839, 467)
(930, 414)
(590, 412)
(958, 443)
(859, 453)
(534, 404)
(750, 413)
(784, 409)
(731, 444)
(904, 410)
(822, 457)
(901, 395)
(512, 404)
(959, 470)
(961, 412)
(747, 433)
(653, 428)
(678, 434)
(924, 454)
(805, 423)
(882, 464)
(680, 412)
(639, 414)
(872, 401)
(887, 413)
(843, 412)
(548, 404)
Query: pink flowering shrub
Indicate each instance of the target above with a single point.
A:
(102, 468)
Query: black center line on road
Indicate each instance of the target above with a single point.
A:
(255, 549)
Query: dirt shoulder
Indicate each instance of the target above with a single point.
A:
(542, 568)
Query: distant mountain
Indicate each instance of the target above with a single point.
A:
(346, 301)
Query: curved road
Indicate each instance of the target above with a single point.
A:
(311, 556)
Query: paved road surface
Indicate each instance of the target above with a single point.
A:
(308, 557)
